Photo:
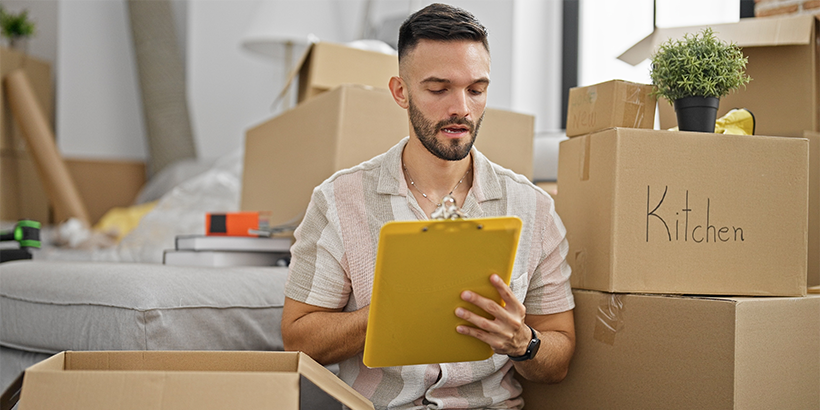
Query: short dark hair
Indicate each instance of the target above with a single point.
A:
(440, 22)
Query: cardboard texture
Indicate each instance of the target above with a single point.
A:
(289, 155)
(324, 66)
(59, 185)
(685, 213)
(784, 63)
(21, 193)
(676, 352)
(615, 103)
(814, 208)
(105, 184)
(148, 380)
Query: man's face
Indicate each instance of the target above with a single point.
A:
(447, 93)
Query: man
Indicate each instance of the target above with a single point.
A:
(444, 75)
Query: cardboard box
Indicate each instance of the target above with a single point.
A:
(615, 103)
(685, 212)
(179, 380)
(674, 352)
(784, 63)
(21, 192)
(324, 66)
(289, 155)
(814, 208)
(105, 184)
(22, 195)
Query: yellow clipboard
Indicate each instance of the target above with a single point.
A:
(421, 269)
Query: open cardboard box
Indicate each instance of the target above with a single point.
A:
(651, 211)
(289, 155)
(324, 66)
(662, 351)
(784, 63)
(176, 380)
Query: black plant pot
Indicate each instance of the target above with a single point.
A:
(697, 113)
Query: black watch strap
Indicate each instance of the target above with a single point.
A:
(532, 348)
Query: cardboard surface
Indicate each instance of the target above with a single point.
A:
(685, 213)
(814, 208)
(105, 184)
(40, 142)
(289, 155)
(784, 63)
(21, 193)
(674, 352)
(615, 103)
(178, 380)
(324, 66)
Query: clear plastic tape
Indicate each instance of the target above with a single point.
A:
(634, 105)
(609, 319)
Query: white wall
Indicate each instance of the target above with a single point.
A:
(536, 62)
(99, 112)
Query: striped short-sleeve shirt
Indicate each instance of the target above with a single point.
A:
(334, 256)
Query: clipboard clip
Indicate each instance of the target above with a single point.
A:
(447, 209)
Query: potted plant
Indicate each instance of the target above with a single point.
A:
(693, 73)
(15, 27)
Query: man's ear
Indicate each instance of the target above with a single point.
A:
(398, 89)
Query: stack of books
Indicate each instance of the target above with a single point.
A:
(218, 251)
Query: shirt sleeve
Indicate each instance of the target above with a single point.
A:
(316, 273)
(549, 289)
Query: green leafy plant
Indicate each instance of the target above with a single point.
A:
(699, 65)
(15, 26)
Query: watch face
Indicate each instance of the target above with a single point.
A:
(533, 349)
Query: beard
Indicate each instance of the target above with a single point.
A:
(426, 131)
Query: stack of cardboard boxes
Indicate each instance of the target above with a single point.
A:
(691, 252)
(345, 116)
(21, 194)
(101, 184)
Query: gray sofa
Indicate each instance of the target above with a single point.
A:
(48, 306)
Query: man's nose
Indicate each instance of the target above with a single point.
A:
(459, 104)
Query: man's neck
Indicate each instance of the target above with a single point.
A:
(434, 176)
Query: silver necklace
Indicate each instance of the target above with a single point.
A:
(413, 183)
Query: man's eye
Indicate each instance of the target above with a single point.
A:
(477, 92)
(438, 91)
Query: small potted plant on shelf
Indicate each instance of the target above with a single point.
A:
(693, 73)
(16, 27)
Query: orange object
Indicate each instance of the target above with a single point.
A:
(236, 223)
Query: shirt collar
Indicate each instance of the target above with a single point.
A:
(486, 185)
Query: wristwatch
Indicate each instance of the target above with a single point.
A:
(532, 348)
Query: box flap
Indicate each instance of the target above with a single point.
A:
(294, 71)
(11, 396)
(327, 381)
(751, 32)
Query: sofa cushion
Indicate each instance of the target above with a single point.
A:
(54, 306)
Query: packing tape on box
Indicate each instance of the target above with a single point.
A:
(584, 172)
(609, 319)
(634, 105)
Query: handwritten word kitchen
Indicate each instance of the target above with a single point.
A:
(685, 221)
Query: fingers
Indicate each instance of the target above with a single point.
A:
(501, 330)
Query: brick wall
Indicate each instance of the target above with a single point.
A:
(764, 8)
